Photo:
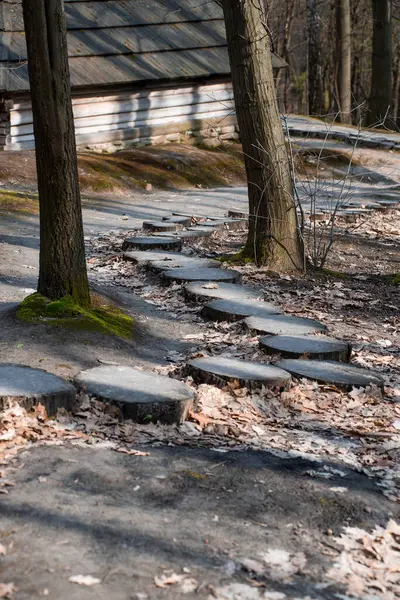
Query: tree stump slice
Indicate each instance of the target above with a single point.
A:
(160, 226)
(185, 275)
(141, 396)
(238, 214)
(183, 221)
(194, 232)
(339, 374)
(153, 243)
(205, 290)
(182, 261)
(236, 310)
(30, 387)
(214, 224)
(313, 347)
(218, 370)
(144, 257)
(284, 325)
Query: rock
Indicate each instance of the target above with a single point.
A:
(315, 347)
(339, 374)
(183, 274)
(228, 129)
(235, 310)
(142, 396)
(159, 226)
(158, 140)
(218, 370)
(152, 243)
(30, 387)
(173, 137)
(204, 290)
(284, 325)
(229, 136)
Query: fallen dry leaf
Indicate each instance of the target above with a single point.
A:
(132, 452)
(166, 579)
(87, 580)
(7, 590)
(3, 550)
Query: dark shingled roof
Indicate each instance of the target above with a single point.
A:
(123, 41)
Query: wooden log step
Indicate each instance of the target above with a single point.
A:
(238, 214)
(184, 221)
(335, 373)
(152, 243)
(160, 226)
(284, 325)
(313, 347)
(186, 274)
(142, 396)
(218, 370)
(236, 310)
(205, 290)
(159, 261)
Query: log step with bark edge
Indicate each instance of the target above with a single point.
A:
(152, 243)
(160, 226)
(142, 396)
(284, 325)
(29, 387)
(218, 370)
(236, 310)
(238, 214)
(184, 221)
(335, 373)
(205, 290)
(313, 347)
(195, 216)
(159, 261)
(231, 224)
(186, 275)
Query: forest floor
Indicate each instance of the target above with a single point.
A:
(256, 496)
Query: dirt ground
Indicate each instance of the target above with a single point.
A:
(257, 495)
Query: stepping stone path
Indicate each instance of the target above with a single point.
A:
(218, 370)
(284, 325)
(324, 358)
(336, 373)
(160, 226)
(152, 243)
(235, 310)
(29, 387)
(205, 290)
(183, 275)
(315, 347)
(142, 396)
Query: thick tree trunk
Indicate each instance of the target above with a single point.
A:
(62, 269)
(314, 68)
(344, 62)
(273, 238)
(380, 101)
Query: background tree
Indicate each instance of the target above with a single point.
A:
(273, 237)
(344, 59)
(314, 63)
(62, 265)
(380, 101)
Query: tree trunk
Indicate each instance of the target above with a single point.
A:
(380, 101)
(344, 55)
(62, 268)
(273, 237)
(315, 91)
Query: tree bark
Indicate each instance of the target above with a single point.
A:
(62, 267)
(344, 62)
(380, 101)
(315, 88)
(273, 237)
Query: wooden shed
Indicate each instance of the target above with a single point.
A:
(141, 70)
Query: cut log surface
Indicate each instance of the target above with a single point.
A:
(235, 310)
(184, 221)
(315, 347)
(218, 370)
(142, 396)
(160, 226)
(204, 290)
(186, 275)
(195, 232)
(284, 325)
(182, 261)
(336, 373)
(30, 387)
(145, 256)
(152, 243)
(238, 214)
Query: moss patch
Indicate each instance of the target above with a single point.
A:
(396, 279)
(21, 201)
(102, 317)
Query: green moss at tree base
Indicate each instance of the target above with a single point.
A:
(396, 279)
(65, 312)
